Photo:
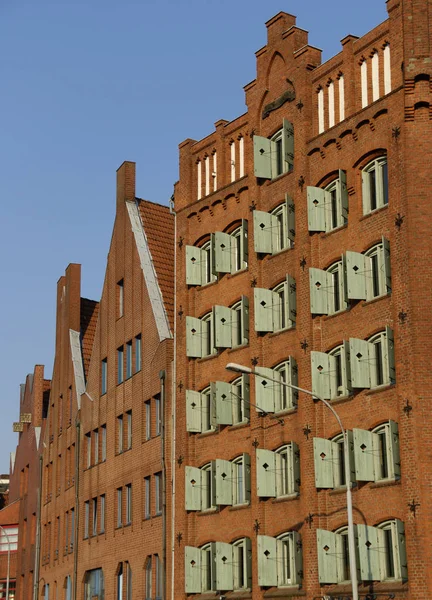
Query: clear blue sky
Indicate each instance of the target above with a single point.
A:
(86, 85)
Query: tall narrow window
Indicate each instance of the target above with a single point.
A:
(387, 69)
(120, 298)
(207, 175)
(128, 581)
(331, 105)
(103, 444)
(128, 504)
(104, 374)
(94, 516)
(147, 498)
(72, 529)
(120, 374)
(241, 157)
(375, 77)
(102, 514)
(129, 359)
(147, 406)
(129, 429)
(341, 98)
(364, 84)
(148, 578)
(86, 519)
(120, 434)
(159, 493)
(320, 110)
(159, 577)
(232, 161)
(214, 173)
(66, 533)
(138, 353)
(96, 446)
(120, 582)
(119, 507)
(158, 414)
(88, 450)
(199, 182)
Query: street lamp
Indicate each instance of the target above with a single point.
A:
(351, 537)
(8, 561)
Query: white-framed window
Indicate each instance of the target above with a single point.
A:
(376, 453)
(103, 443)
(341, 88)
(331, 372)
(241, 156)
(239, 323)
(375, 77)
(147, 497)
(275, 230)
(333, 556)
(275, 309)
(233, 161)
(242, 564)
(331, 103)
(372, 361)
(96, 446)
(329, 461)
(198, 411)
(320, 96)
(240, 399)
(129, 430)
(214, 172)
(278, 471)
(270, 393)
(223, 253)
(378, 280)
(207, 568)
(199, 180)
(387, 69)
(375, 184)
(382, 551)
(274, 156)
(148, 579)
(147, 408)
(9, 542)
(207, 486)
(94, 516)
(120, 433)
(119, 507)
(328, 207)
(240, 493)
(86, 519)
(364, 84)
(279, 560)
(119, 595)
(128, 504)
(102, 514)
(94, 584)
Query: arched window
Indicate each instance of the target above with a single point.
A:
(328, 207)
(375, 184)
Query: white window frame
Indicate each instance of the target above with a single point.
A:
(336, 211)
(242, 564)
(237, 325)
(380, 198)
(379, 374)
(206, 410)
(337, 292)
(207, 483)
(341, 383)
(285, 471)
(207, 332)
(338, 462)
(342, 551)
(281, 240)
(239, 481)
(207, 568)
(286, 565)
(285, 397)
(281, 315)
(383, 453)
(238, 242)
(279, 164)
(128, 516)
(207, 273)
(376, 283)
(238, 395)
(395, 554)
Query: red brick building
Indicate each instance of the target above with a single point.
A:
(303, 251)
(9, 516)
(25, 483)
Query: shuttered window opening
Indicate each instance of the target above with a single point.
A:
(372, 361)
(275, 309)
(270, 395)
(218, 566)
(280, 560)
(275, 231)
(328, 289)
(376, 453)
(218, 483)
(382, 551)
(331, 373)
(274, 156)
(278, 472)
(333, 555)
(375, 185)
(329, 461)
(328, 207)
(369, 275)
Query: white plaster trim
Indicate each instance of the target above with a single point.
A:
(77, 362)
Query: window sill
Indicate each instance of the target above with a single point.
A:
(207, 512)
(287, 498)
(341, 399)
(239, 272)
(287, 592)
(374, 212)
(205, 434)
(280, 331)
(336, 314)
(325, 234)
(158, 514)
(279, 252)
(240, 425)
(369, 589)
(238, 348)
(239, 506)
(385, 483)
(342, 489)
(204, 286)
(381, 388)
(206, 358)
(239, 594)
(376, 299)
(285, 411)
(278, 177)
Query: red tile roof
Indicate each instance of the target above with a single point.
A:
(158, 225)
(89, 316)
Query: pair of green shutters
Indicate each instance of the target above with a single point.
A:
(363, 450)
(370, 553)
(266, 157)
(269, 468)
(223, 399)
(221, 568)
(268, 307)
(222, 478)
(276, 565)
(320, 205)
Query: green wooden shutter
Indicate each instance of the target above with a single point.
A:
(365, 193)
(342, 194)
(194, 260)
(193, 411)
(295, 461)
(245, 242)
(222, 252)
(224, 566)
(393, 442)
(262, 157)
(247, 476)
(193, 577)
(265, 389)
(293, 380)
(246, 395)
(290, 220)
(386, 265)
(364, 455)
(357, 271)
(317, 200)
(323, 461)
(350, 437)
(323, 368)
(297, 574)
(327, 556)
(266, 473)
(221, 403)
(400, 532)
(267, 561)
(291, 299)
(288, 143)
(263, 310)
(389, 353)
(264, 226)
(193, 485)
(222, 322)
(193, 337)
(223, 482)
(369, 552)
(320, 286)
(244, 316)
(359, 361)
(248, 547)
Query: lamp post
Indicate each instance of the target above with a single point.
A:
(8, 561)
(351, 537)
